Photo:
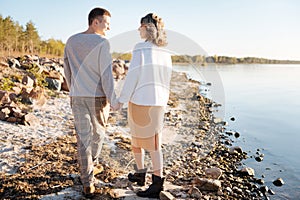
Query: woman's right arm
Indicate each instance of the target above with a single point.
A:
(132, 77)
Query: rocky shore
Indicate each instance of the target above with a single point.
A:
(39, 161)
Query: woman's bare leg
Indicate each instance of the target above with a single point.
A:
(138, 154)
(157, 157)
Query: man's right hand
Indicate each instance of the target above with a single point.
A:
(117, 106)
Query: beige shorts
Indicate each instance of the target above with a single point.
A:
(146, 124)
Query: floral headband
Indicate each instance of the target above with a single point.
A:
(154, 19)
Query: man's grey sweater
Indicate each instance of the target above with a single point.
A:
(88, 67)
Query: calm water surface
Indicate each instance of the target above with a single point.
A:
(265, 102)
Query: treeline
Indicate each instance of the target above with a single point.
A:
(14, 38)
(204, 60)
(227, 60)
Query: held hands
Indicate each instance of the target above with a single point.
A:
(117, 106)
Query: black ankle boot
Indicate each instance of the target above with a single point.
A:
(154, 189)
(138, 177)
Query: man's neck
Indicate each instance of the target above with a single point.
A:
(92, 31)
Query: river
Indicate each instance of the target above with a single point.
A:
(262, 103)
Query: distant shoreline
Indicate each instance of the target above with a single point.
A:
(204, 60)
(206, 64)
(230, 63)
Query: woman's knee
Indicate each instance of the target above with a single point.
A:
(136, 149)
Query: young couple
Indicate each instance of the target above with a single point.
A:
(88, 72)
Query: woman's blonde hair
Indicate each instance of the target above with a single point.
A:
(155, 32)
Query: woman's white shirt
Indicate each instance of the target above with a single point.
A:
(149, 75)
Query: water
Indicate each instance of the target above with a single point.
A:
(265, 102)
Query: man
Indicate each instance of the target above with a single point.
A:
(88, 71)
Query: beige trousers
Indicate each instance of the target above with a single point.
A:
(90, 118)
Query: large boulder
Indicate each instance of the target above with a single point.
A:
(4, 97)
(27, 81)
(247, 171)
(207, 184)
(4, 113)
(13, 63)
(4, 64)
(31, 120)
(54, 84)
(37, 95)
(214, 173)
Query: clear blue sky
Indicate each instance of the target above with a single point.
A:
(261, 28)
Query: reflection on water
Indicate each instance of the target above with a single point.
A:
(264, 99)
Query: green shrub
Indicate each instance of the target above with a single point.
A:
(37, 75)
(6, 84)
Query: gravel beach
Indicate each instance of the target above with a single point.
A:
(39, 162)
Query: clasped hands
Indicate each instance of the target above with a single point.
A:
(117, 106)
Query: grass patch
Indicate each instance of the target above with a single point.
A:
(6, 84)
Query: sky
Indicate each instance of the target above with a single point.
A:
(239, 28)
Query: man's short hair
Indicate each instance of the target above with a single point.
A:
(97, 12)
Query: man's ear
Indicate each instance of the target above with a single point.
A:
(95, 22)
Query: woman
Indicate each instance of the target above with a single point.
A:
(146, 88)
